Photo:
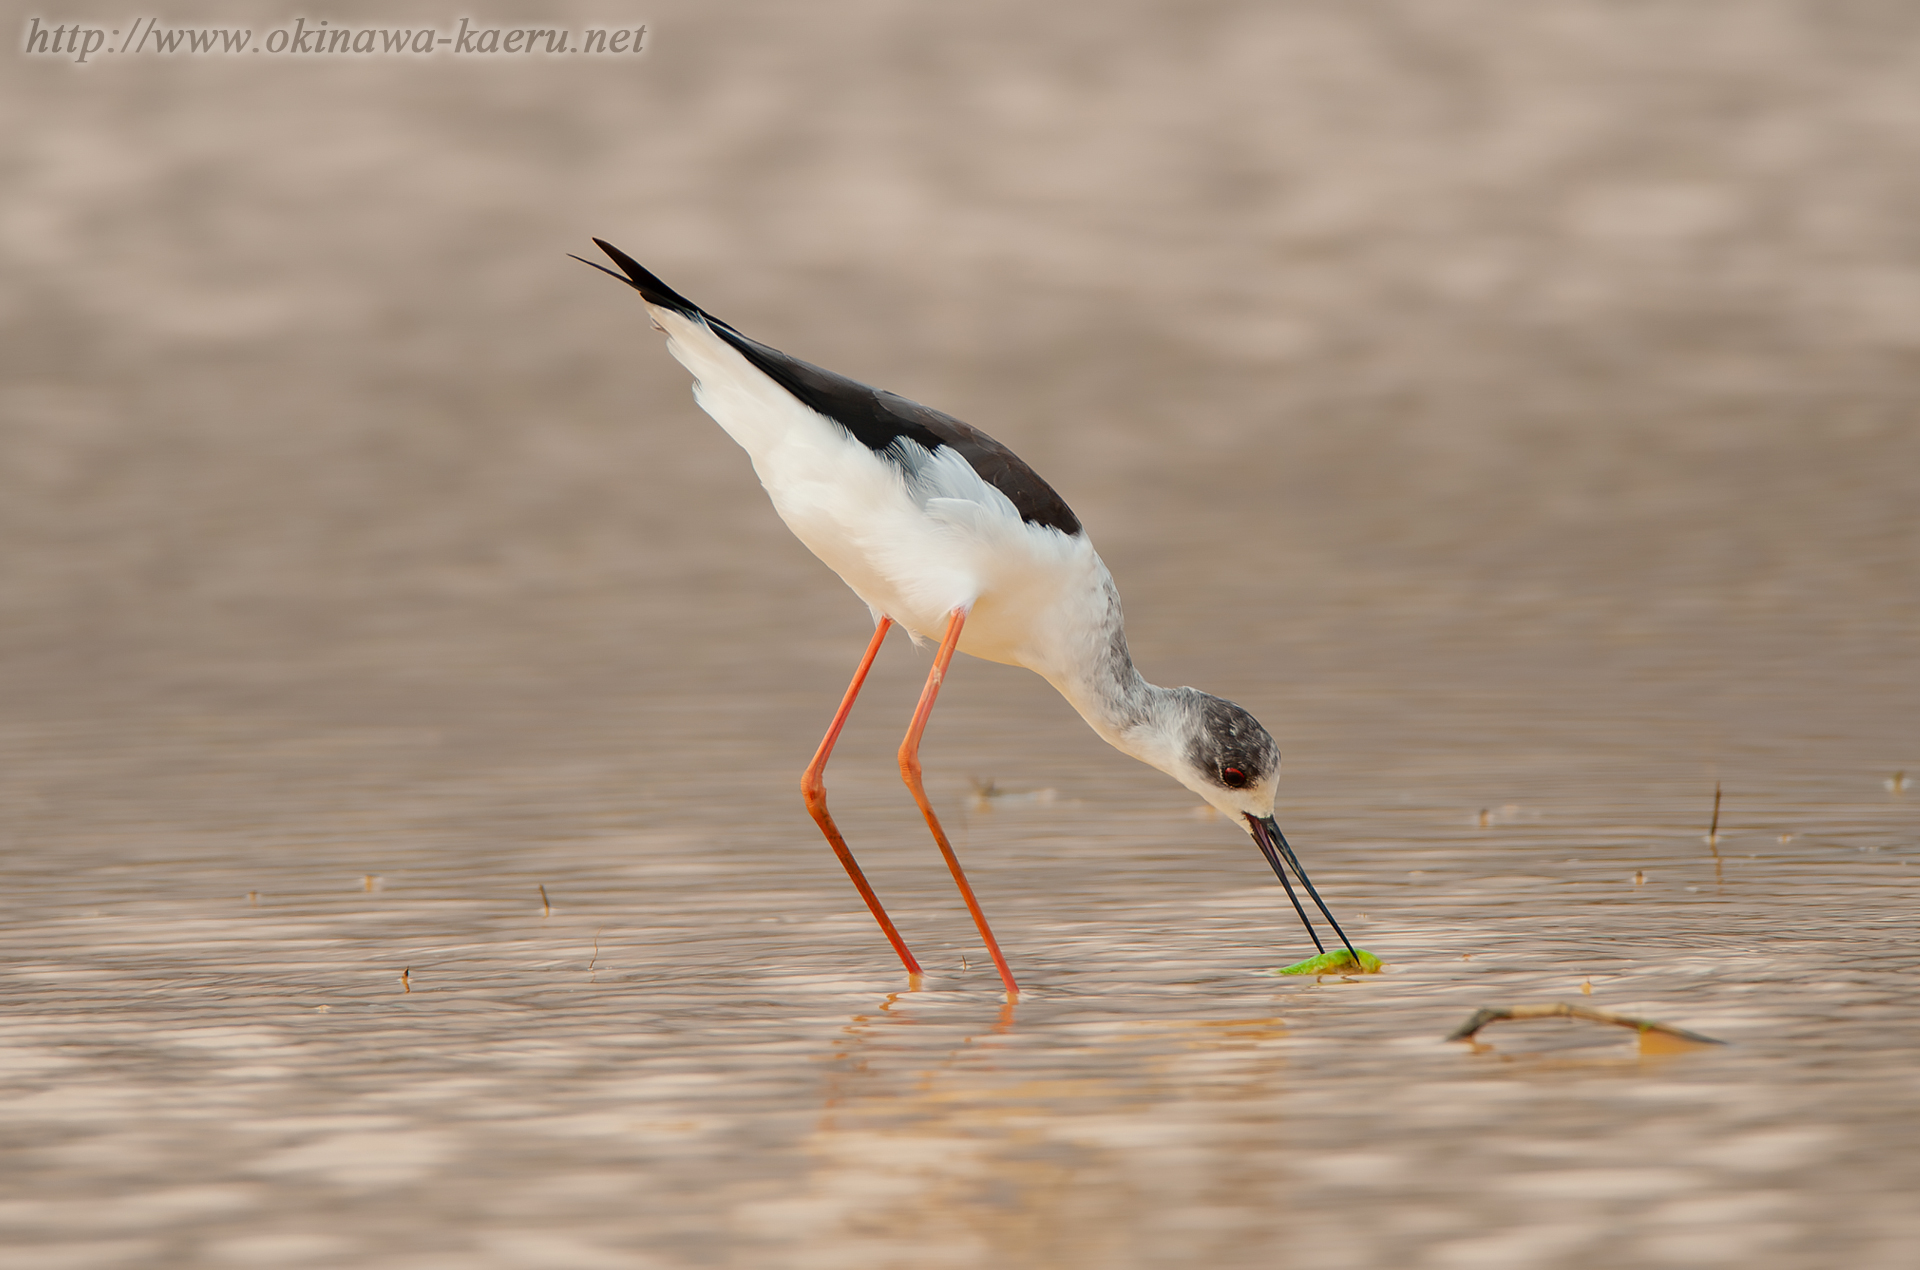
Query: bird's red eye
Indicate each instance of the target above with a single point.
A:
(1232, 777)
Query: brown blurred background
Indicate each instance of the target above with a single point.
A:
(1398, 347)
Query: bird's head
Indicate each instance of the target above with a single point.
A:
(1221, 753)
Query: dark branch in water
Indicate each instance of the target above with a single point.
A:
(1562, 1010)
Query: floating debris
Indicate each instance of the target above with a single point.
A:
(1337, 962)
(988, 795)
(1563, 1010)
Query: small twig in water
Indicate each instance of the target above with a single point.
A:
(596, 953)
(1713, 834)
(546, 909)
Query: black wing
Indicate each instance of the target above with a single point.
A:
(875, 417)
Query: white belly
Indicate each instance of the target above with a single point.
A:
(915, 558)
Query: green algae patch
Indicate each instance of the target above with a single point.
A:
(1337, 962)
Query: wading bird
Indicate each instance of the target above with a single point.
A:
(944, 531)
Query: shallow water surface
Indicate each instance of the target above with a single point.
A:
(698, 1054)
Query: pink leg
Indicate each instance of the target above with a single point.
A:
(814, 787)
(910, 772)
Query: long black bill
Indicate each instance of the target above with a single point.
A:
(1273, 845)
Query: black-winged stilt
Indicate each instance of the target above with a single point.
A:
(943, 530)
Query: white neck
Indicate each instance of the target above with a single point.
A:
(1129, 713)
